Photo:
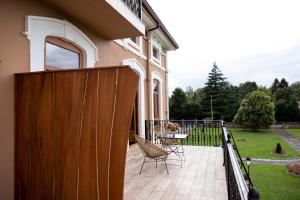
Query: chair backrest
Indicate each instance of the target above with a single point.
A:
(150, 150)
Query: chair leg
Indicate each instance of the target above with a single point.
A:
(142, 165)
(183, 153)
(166, 165)
(155, 163)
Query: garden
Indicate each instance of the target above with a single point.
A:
(260, 144)
(255, 108)
(272, 181)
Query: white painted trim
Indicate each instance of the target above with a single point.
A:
(123, 43)
(136, 46)
(38, 28)
(156, 75)
(167, 89)
(121, 8)
(138, 68)
(154, 42)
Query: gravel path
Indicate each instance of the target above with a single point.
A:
(274, 162)
(293, 141)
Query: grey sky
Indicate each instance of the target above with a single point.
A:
(251, 40)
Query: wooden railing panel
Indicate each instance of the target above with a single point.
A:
(68, 97)
(106, 90)
(72, 132)
(121, 119)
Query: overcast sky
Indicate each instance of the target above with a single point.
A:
(251, 40)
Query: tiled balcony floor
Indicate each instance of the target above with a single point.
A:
(201, 177)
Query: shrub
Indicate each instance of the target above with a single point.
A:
(256, 111)
(294, 169)
(278, 148)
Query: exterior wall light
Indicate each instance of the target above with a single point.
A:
(248, 163)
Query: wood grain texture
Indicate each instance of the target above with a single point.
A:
(71, 133)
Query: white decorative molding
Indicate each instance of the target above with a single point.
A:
(155, 43)
(156, 75)
(38, 28)
(125, 44)
(139, 70)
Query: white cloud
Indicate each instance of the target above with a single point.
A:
(251, 40)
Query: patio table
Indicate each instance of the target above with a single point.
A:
(167, 136)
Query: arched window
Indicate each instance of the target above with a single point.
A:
(60, 54)
(156, 99)
(73, 44)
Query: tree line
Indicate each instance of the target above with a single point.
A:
(219, 99)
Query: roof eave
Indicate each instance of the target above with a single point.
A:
(149, 9)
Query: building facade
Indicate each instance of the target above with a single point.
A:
(53, 34)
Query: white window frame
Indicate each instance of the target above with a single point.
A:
(135, 47)
(156, 44)
(156, 76)
(129, 45)
(38, 28)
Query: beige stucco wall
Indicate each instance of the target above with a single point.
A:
(14, 57)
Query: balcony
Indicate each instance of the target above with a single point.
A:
(134, 6)
(125, 15)
(213, 168)
(202, 176)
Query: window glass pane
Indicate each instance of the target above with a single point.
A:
(155, 53)
(155, 86)
(156, 106)
(135, 40)
(60, 57)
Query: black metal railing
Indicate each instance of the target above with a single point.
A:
(200, 132)
(135, 6)
(213, 133)
(239, 183)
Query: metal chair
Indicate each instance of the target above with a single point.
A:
(151, 152)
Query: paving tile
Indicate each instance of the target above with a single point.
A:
(202, 176)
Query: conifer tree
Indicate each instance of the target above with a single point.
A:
(214, 94)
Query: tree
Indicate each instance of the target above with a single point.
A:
(275, 85)
(178, 103)
(231, 103)
(283, 84)
(256, 111)
(295, 87)
(189, 92)
(214, 93)
(246, 88)
(286, 106)
(265, 90)
(193, 108)
(285, 99)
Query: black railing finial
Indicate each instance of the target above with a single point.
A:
(253, 194)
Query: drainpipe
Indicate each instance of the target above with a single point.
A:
(148, 80)
(167, 88)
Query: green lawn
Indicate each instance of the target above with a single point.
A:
(273, 184)
(260, 144)
(294, 131)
